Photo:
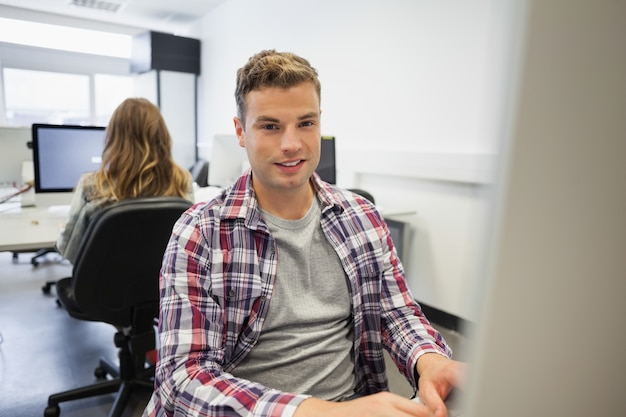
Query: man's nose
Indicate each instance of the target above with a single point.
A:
(290, 140)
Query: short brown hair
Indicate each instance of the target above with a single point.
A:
(269, 68)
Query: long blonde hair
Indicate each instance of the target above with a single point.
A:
(137, 159)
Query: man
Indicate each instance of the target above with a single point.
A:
(278, 296)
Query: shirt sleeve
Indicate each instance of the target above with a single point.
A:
(72, 232)
(407, 331)
(190, 376)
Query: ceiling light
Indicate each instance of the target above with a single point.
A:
(97, 4)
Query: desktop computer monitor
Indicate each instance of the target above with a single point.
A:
(61, 154)
(399, 235)
(326, 169)
(227, 162)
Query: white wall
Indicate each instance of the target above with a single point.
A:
(175, 94)
(421, 81)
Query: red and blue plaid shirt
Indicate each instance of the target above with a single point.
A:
(216, 285)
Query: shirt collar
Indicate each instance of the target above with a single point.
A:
(240, 201)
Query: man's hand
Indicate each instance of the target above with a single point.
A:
(383, 404)
(438, 375)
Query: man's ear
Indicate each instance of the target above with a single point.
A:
(239, 131)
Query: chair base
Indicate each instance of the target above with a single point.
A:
(38, 254)
(124, 393)
(124, 389)
(129, 376)
(47, 287)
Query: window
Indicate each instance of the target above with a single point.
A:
(111, 90)
(45, 97)
(50, 97)
(82, 86)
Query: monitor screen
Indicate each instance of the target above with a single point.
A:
(326, 168)
(397, 229)
(62, 153)
(227, 162)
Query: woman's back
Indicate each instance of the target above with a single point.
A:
(136, 162)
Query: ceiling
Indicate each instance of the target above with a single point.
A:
(171, 16)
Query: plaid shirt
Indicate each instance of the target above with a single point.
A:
(216, 285)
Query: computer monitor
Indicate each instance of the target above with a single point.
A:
(397, 229)
(61, 154)
(227, 162)
(326, 169)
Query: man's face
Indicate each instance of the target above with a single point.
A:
(282, 138)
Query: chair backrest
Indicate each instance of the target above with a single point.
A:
(117, 267)
(200, 172)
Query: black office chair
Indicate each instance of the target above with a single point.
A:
(38, 254)
(200, 172)
(115, 280)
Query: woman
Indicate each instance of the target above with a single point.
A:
(136, 162)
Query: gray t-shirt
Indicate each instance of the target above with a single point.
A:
(306, 342)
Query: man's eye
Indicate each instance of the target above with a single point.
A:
(307, 124)
(269, 127)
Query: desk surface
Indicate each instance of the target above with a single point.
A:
(29, 228)
(32, 228)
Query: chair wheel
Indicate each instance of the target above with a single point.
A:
(46, 288)
(52, 411)
(100, 372)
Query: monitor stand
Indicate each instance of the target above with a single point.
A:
(27, 198)
(28, 176)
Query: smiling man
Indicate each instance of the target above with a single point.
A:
(279, 296)
(280, 129)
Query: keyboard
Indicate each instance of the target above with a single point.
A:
(452, 403)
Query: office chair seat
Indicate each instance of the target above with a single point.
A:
(200, 172)
(115, 280)
(65, 294)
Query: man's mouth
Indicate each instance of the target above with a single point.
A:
(291, 164)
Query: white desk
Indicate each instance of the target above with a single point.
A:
(29, 228)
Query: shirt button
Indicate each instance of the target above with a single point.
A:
(231, 293)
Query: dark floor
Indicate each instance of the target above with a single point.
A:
(44, 351)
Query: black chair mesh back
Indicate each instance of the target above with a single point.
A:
(119, 262)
